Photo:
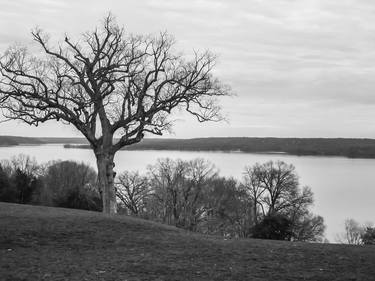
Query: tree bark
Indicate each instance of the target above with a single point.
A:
(106, 181)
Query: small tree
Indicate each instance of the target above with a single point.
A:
(112, 87)
(368, 237)
(274, 190)
(228, 210)
(251, 183)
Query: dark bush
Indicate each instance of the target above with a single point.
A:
(276, 227)
(71, 185)
(79, 198)
(7, 193)
(24, 185)
(19, 187)
(368, 237)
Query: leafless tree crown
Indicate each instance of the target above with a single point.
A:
(108, 83)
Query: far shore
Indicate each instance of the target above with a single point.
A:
(341, 147)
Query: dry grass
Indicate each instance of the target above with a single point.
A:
(41, 243)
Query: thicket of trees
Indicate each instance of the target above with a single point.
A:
(58, 183)
(268, 203)
(187, 194)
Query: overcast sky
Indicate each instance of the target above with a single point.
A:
(300, 68)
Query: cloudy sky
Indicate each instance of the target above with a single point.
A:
(299, 68)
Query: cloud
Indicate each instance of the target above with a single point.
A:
(278, 55)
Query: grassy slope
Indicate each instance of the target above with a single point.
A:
(41, 243)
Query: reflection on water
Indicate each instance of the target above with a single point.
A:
(343, 188)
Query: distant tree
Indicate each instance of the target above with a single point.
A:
(254, 189)
(368, 237)
(112, 87)
(353, 233)
(274, 190)
(280, 184)
(25, 164)
(178, 189)
(228, 211)
(308, 227)
(132, 190)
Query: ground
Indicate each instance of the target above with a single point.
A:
(42, 243)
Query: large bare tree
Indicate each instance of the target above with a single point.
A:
(113, 87)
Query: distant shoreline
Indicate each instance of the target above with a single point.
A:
(343, 147)
(78, 146)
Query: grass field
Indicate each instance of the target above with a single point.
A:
(41, 243)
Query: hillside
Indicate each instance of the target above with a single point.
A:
(42, 243)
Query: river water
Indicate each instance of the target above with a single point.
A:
(343, 188)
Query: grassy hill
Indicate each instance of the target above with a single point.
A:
(42, 243)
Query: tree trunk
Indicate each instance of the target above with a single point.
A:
(106, 181)
(255, 212)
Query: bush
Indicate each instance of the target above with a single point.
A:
(71, 185)
(276, 227)
(80, 199)
(368, 237)
(7, 193)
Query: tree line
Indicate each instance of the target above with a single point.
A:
(267, 203)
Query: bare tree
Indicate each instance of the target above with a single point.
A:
(228, 210)
(178, 188)
(274, 189)
(132, 189)
(24, 163)
(251, 184)
(353, 233)
(272, 185)
(111, 86)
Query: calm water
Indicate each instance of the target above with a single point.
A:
(343, 188)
